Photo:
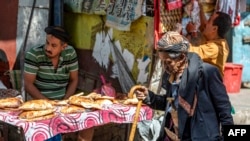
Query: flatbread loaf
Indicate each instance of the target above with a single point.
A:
(94, 95)
(77, 100)
(9, 109)
(49, 116)
(40, 104)
(105, 97)
(72, 109)
(84, 102)
(59, 102)
(34, 114)
(11, 102)
(102, 102)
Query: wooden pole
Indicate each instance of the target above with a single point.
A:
(137, 112)
(134, 125)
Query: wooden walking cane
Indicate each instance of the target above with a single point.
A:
(138, 107)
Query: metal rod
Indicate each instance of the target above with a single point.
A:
(23, 52)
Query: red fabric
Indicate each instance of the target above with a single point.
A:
(156, 21)
(173, 4)
(157, 29)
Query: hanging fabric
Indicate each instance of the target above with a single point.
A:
(169, 19)
(156, 21)
(97, 7)
(101, 49)
(165, 20)
(121, 14)
(148, 8)
(173, 4)
(230, 7)
(192, 10)
(124, 75)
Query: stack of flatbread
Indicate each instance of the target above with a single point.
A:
(70, 109)
(10, 104)
(65, 107)
(91, 101)
(78, 103)
(34, 110)
(59, 102)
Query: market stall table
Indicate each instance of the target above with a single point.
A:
(64, 123)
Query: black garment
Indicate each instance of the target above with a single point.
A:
(213, 106)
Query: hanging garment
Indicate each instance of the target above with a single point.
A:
(101, 50)
(230, 7)
(120, 14)
(142, 66)
(156, 21)
(148, 8)
(97, 7)
(121, 69)
(164, 20)
(173, 4)
(168, 19)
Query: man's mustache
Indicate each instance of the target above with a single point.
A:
(49, 52)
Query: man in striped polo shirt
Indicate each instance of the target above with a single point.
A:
(51, 70)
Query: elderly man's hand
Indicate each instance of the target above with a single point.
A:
(141, 93)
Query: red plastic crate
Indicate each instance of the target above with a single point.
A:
(232, 77)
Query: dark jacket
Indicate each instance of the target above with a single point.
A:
(213, 107)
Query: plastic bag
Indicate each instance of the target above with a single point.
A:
(107, 89)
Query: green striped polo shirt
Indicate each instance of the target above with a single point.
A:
(52, 83)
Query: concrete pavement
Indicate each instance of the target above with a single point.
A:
(241, 104)
(240, 100)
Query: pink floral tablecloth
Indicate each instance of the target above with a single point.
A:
(63, 123)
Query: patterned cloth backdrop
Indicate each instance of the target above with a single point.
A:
(168, 19)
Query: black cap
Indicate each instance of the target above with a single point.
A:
(58, 32)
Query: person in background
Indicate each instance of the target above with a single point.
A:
(51, 70)
(196, 103)
(211, 45)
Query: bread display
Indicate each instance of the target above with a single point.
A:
(43, 109)
(59, 102)
(40, 104)
(103, 102)
(106, 97)
(72, 109)
(84, 102)
(93, 95)
(92, 100)
(11, 102)
(34, 114)
(96, 96)
(45, 117)
(34, 110)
